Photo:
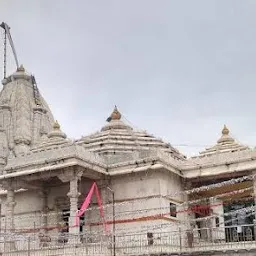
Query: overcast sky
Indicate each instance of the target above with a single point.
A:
(178, 69)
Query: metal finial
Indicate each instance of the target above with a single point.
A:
(225, 130)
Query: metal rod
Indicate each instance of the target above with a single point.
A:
(7, 35)
(5, 51)
(114, 220)
(114, 224)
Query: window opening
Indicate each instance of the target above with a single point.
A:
(173, 210)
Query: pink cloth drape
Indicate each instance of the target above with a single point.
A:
(87, 202)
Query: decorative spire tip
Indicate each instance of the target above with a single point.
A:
(21, 68)
(116, 115)
(225, 130)
(56, 125)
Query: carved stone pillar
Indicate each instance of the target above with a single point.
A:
(9, 218)
(10, 204)
(72, 176)
(73, 195)
(44, 197)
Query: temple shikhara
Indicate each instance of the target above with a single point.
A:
(119, 191)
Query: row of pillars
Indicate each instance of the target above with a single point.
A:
(73, 195)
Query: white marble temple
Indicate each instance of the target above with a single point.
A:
(44, 174)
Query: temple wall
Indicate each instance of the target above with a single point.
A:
(135, 185)
(141, 197)
(58, 192)
(27, 210)
(147, 184)
(171, 185)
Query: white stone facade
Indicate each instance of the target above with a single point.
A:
(44, 175)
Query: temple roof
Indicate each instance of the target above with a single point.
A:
(25, 115)
(118, 137)
(226, 143)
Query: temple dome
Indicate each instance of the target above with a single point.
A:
(24, 114)
(118, 137)
(54, 139)
(224, 144)
(57, 133)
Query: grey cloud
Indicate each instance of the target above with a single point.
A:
(179, 69)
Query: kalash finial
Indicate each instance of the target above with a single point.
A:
(56, 125)
(116, 115)
(21, 68)
(225, 130)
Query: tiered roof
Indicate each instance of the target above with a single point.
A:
(225, 144)
(118, 137)
(31, 140)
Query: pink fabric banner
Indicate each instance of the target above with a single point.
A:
(87, 202)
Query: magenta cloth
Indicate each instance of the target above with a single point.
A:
(87, 202)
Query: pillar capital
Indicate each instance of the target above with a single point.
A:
(70, 174)
(8, 185)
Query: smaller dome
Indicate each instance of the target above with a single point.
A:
(117, 137)
(56, 132)
(225, 138)
(224, 144)
(56, 138)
